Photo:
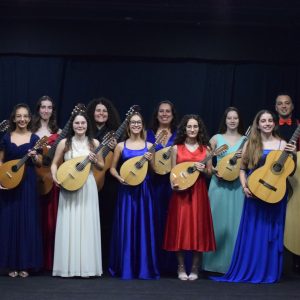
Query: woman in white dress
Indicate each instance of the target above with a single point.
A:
(78, 239)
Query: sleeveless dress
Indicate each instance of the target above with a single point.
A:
(21, 245)
(226, 202)
(77, 249)
(258, 252)
(162, 188)
(49, 206)
(134, 247)
(189, 223)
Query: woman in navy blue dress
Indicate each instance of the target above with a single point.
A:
(258, 252)
(134, 247)
(20, 232)
(164, 117)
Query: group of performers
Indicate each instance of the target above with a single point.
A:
(144, 222)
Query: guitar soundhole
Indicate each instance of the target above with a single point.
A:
(166, 156)
(138, 165)
(232, 161)
(191, 170)
(14, 168)
(79, 167)
(277, 167)
(46, 161)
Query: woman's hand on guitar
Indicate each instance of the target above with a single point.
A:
(200, 167)
(56, 182)
(121, 180)
(291, 147)
(2, 187)
(238, 153)
(93, 157)
(247, 192)
(112, 144)
(148, 155)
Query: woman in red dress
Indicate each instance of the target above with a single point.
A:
(44, 124)
(189, 224)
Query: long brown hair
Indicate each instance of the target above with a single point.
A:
(254, 147)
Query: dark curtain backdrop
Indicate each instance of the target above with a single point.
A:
(205, 88)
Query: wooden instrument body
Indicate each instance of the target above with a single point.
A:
(44, 179)
(183, 175)
(292, 220)
(266, 183)
(132, 174)
(9, 178)
(69, 177)
(162, 161)
(227, 170)
(100, 174)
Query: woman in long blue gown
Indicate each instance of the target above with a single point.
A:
(133, 247)
(20, 230)
(164, 117)
(258, 252)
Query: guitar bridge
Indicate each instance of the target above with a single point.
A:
(269, 186)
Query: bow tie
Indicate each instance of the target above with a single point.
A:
(285, 121)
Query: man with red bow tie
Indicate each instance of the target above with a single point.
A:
(287, 123)
(287, 126)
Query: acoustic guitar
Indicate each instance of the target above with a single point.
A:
(12, 172)
(162, 161)
(72, 174)
(134, 170)
(44, 176)
(229, 166)
(186, 174)
(268, 182)
(292, 220)
(106, 151)
(4, 125)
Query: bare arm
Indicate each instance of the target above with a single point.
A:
(243, 178)
(117, 154)
(58, 159)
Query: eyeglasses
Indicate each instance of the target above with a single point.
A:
(135, 122)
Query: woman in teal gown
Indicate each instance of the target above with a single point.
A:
(226, 197)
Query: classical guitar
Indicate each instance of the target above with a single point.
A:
(185, 174)
(12, 172)
(162, 161)
(292, 220)
(106, 151)
(134, 170)
(45, 181)
(72, 174)
(4, 125)
(268, 182)
(229, 166)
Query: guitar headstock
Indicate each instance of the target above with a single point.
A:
(161, 136)
(131, 111)
(80, 107)
(108, 137)
(41, 143)
(4, 125)
(220, 150)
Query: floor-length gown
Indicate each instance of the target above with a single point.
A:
(189, 223)
(77, 238)
(49, 206)
(226, 202)
(134, 247)
(162, 188)
(258, 252)
(20, 227)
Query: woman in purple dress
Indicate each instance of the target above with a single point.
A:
(20, 231)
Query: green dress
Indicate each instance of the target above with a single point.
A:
(226, 201)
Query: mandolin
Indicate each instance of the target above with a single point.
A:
(4, 125)
(12, 172)
(106, 151)
(268, 183)
(292, 220)
(45, 181)
(72, 174)
(229, 166)
(162, 161)
(134, 170)
(186, 174)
